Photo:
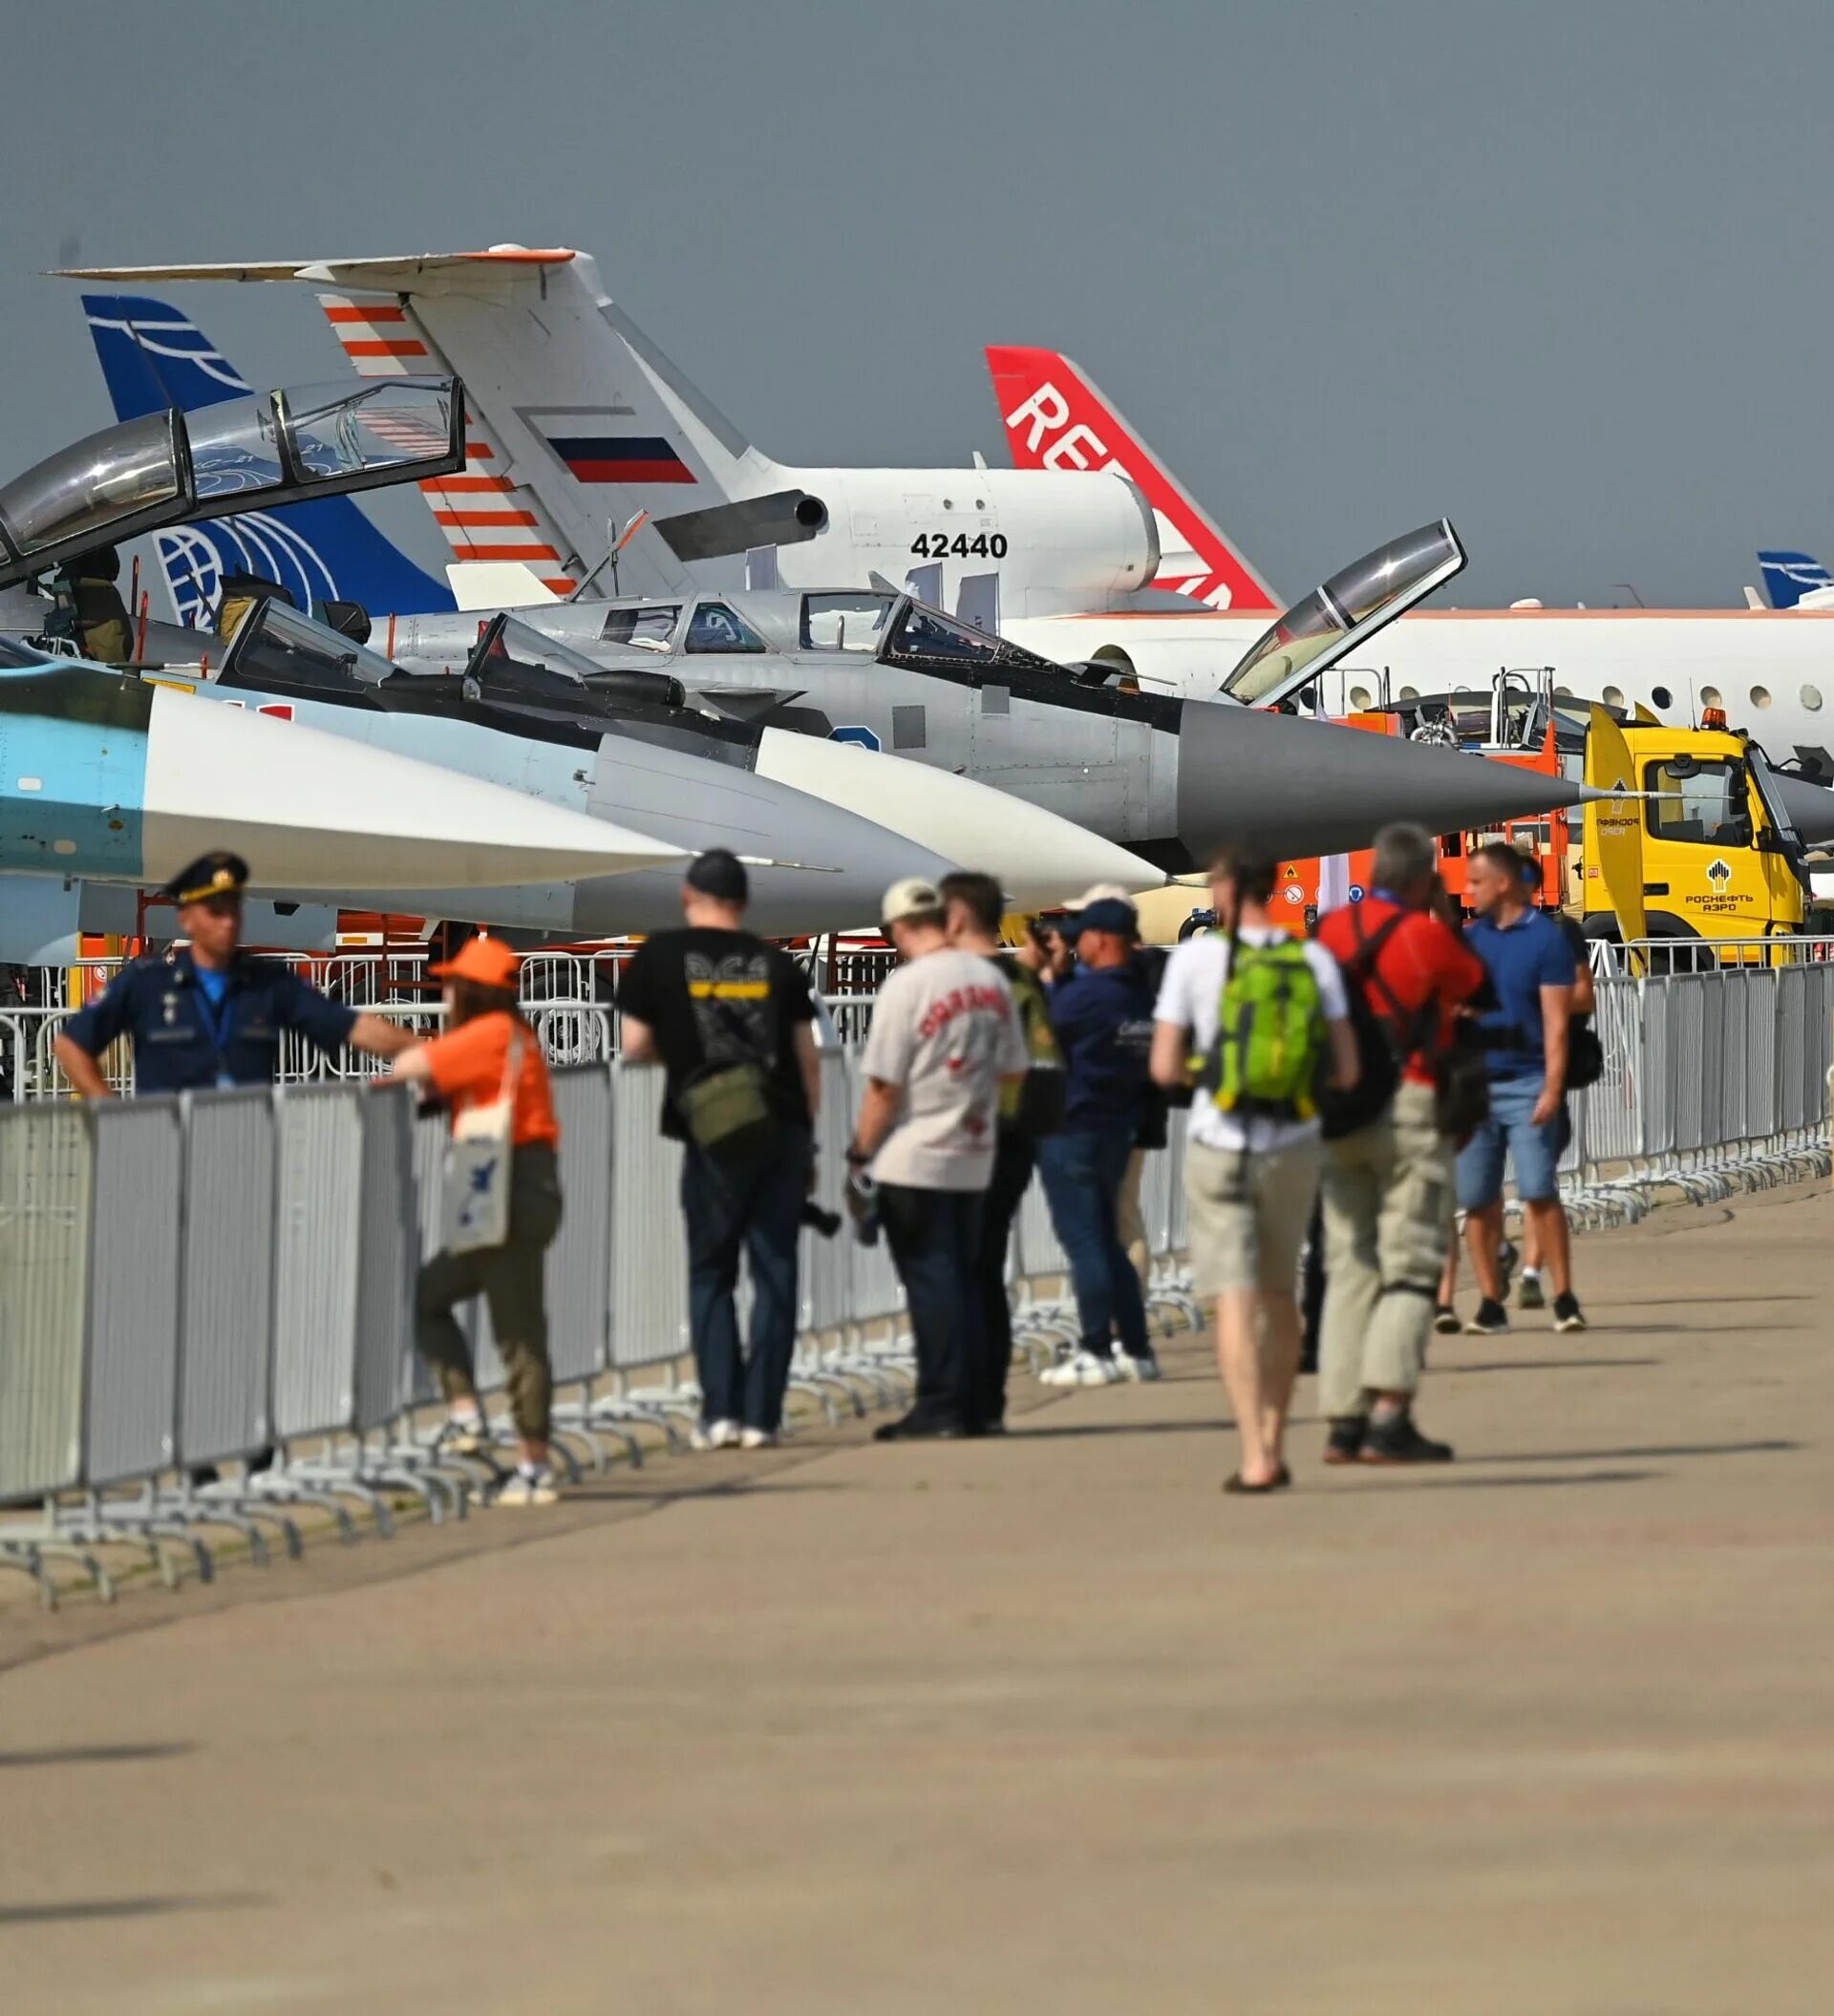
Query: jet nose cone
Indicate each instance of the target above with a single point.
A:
(1288, 787)
(1039, 858)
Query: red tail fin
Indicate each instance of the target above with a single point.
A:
(1056, 419)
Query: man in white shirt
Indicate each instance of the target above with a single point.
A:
(1251, 1169)
(945, 1036)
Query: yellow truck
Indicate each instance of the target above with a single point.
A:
(1699, 847)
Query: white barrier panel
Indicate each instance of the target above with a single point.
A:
(320, 1210)
(227, 1301)
(133, 1374)
(388, 1255)
(579, 1263)
(649, 1249)
(46, 1160)
(825, 1274)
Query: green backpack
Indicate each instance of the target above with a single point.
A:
(1270, 1047)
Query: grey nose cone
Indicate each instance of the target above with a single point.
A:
(1811, 807)
(1292, 788)
(850, 863)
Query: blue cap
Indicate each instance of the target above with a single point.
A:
(1110, 915)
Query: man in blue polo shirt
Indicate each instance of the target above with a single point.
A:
(1102, 1018)
(206, 1015)
(1533, 971)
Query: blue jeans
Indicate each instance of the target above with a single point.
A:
(751, 1204)
(1082, 1174)
(1508, 1130)
(935, 1242)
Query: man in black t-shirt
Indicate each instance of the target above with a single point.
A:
(720, 1009)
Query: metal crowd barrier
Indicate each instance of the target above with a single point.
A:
(227, 1279)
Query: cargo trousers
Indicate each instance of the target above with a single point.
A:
(1387, 1221)
(510, 1279)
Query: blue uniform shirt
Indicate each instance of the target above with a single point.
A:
(1103, 1022)
(185, 1042)
(1522, 958)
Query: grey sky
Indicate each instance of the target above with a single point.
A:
(1560, 271)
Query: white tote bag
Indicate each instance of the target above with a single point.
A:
(477, 1157)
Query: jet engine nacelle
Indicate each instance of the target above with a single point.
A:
(1056, 542)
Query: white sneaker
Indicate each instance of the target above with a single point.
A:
(528, 1487)
(462, 1435)
(757, 1438)
(714, 1434)
(1128, 1366)
(1081, 1369)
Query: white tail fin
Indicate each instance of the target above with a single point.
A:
(486, 516)
(577, 422)
(1056, 419)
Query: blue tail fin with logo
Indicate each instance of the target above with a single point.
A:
(1790, 576)
(326, 550)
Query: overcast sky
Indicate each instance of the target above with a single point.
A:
(1559, 271)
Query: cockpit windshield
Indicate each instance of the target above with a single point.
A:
(16, 656)
(844, 622)
(278, 651)
(923, 636)
(510, 638)
(107, 486)
(1349, 606)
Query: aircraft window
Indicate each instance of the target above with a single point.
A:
(844, 623)
(1812, 698)
(235, 447)
(334, 431)
(1613, 696)
(16, 656)
(714, 627)
(1709, 696)
(1360, 697)
(277, 647)
(93, 485)
(1704, 804)
(1760, 696)
(1410, 692)
(650, 628)
(1661, 696)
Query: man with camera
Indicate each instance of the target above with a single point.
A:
(732, 1020)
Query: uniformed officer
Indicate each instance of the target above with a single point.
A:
(209, 1016)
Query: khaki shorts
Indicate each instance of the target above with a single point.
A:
(1248, 1215)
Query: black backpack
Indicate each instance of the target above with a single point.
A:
(1379, 1059)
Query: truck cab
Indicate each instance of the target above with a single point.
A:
(1700, 846)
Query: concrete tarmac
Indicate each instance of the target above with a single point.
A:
(1046, 1724)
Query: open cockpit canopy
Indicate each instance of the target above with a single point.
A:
(245, 454)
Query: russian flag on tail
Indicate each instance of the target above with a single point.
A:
(621, 458)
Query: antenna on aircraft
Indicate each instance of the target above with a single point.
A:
(616, 541)
(1636, 601)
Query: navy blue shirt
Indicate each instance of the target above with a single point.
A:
(1522, 958)
(1103, 1022)
(183, 1042)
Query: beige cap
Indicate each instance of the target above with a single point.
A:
(907, 897)
(1101, 893)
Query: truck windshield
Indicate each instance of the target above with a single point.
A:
(1703, 803)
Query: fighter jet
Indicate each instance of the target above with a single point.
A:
(110, 778)
(1171, 780)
